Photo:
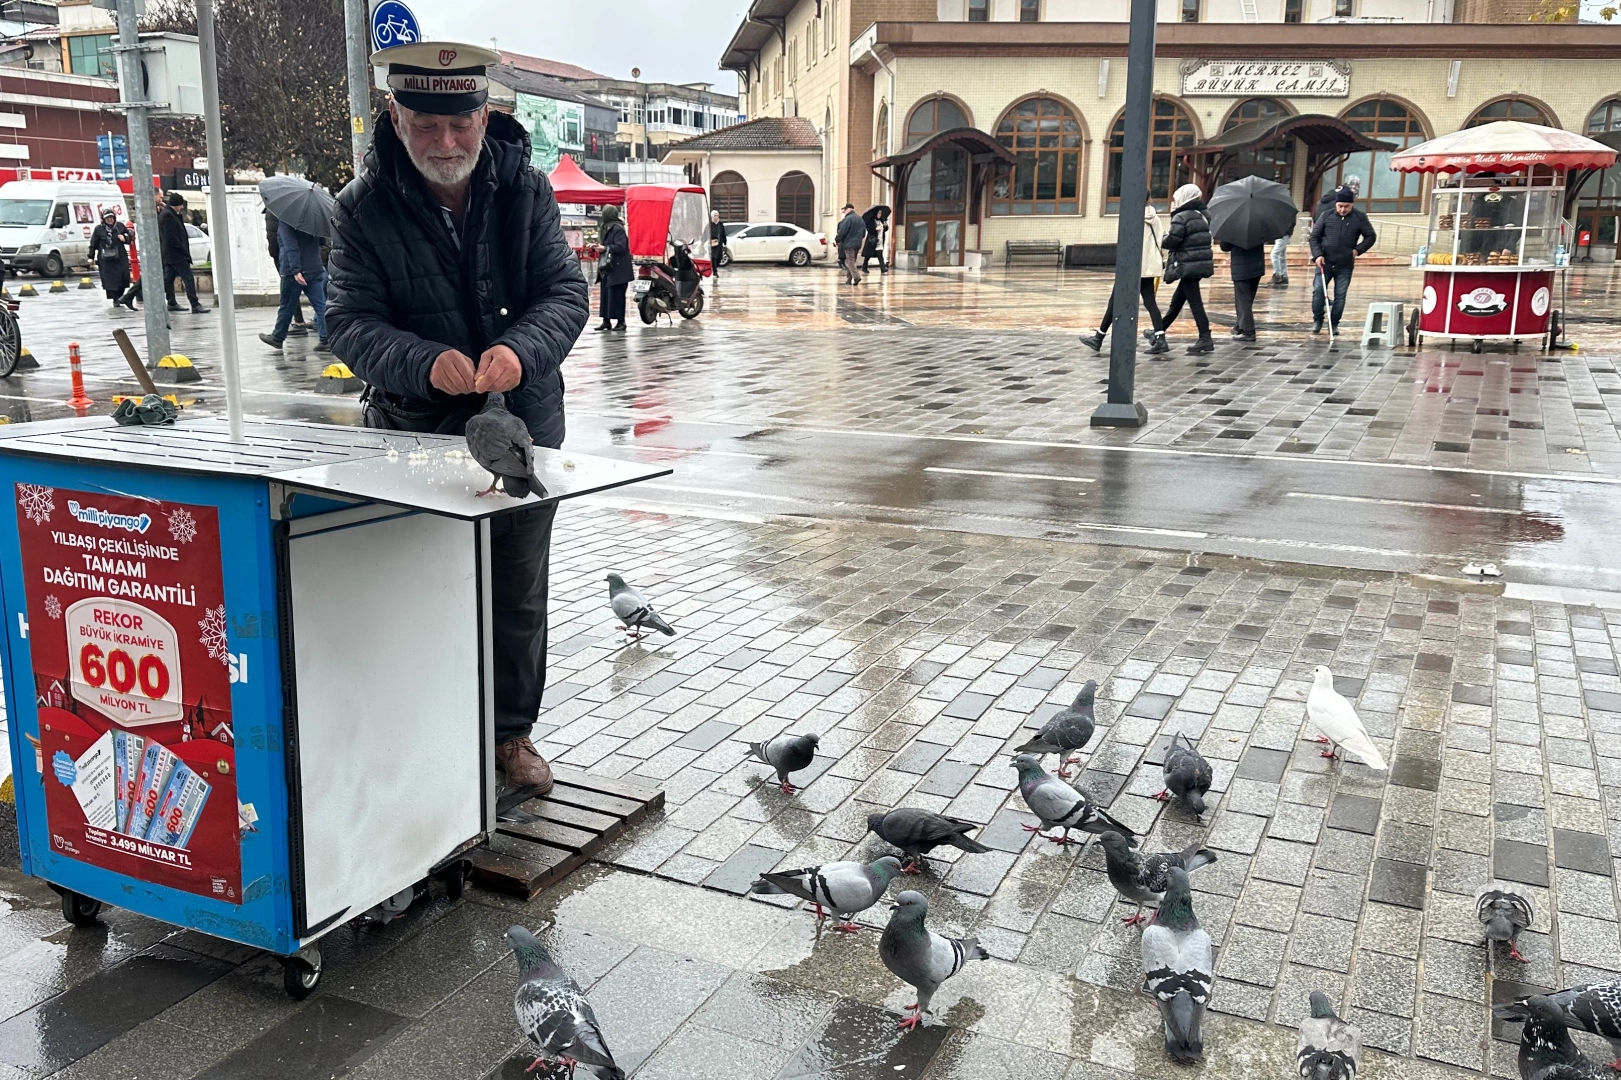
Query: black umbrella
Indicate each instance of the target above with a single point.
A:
(873, 215)
(299, 203)
(1251, 211)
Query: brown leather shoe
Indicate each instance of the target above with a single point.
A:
(524, 766)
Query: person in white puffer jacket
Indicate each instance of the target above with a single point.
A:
(1152, 267)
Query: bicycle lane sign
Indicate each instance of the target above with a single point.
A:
(393, 24)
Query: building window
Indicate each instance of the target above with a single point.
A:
(979, 10)
(1190, 10)
(729, 196)
(937, 182)
(1292, 10)
(1383, 191)
(793, 55)
(937, 114)
(830, 28)
(796, 196)
(1274, 161)
(92, 54)
(1167, 170)
(1029, 10)
(1344, 9)
(1510, 109)
(1046, 137)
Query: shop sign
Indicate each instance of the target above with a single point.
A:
(1290, 78)
(1482, 302)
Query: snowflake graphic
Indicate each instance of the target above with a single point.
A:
(53, 607)
(212, 625)
(182, 526)
(37, 502)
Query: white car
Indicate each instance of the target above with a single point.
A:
(202, 249)
(773, 241)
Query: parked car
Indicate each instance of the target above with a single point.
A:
(201, 249)
(773, 241)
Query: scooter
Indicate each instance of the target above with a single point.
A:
(674, 286)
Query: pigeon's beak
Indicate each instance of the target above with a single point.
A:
(894, 907)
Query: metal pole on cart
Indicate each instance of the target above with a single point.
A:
(220, 228)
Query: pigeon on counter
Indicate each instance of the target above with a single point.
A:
(634, 610)
(1332, 715)
(501, 443)
(1503, 913)
(1058, 805)
(844, 888)
(1178, 969)
(917, 955)
(1070, 729)
(554, 1015)
(1595, 1007)
(1187, 774)
(1330, 1048)
(787, 754)
(1144, 878)
(917, 832)
(1547, 1051)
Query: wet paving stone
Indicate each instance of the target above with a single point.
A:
(1587, 852)
(1401, 883)
(1515, 861)
(858, 1041)
(327, 1036)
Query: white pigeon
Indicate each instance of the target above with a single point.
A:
(1332, 715)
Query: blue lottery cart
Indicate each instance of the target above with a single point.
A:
(249, 679)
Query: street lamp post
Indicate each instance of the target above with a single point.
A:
(1120, 410)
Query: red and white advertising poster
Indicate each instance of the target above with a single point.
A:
(126, 628)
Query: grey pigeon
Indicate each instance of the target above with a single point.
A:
(1069, 729)
(633, 609)
(1330, 1048)
(917, 832)
(1188, 775)
(787, 754)
(845, 888)
(1503, 913)
(1546, 1049)
(1595, 1007)
(1059, 805)
(1177, 968)
(919, 956)
(501, 443)
(1144, 878)
(553, 1013)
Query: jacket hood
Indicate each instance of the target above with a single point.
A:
(1150, 215)
(506, 149)
(1186, 194)
(1195, 203)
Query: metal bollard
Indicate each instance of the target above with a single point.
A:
(79, 400)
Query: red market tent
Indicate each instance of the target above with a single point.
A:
(1504, 146)
(571, 185)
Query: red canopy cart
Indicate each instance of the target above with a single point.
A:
(1497, 228)
(667, 223)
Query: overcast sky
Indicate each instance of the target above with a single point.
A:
(677, 41)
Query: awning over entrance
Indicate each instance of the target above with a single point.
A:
(1327, 139)
(972, 140)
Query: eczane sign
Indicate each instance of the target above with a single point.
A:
(1296, 78)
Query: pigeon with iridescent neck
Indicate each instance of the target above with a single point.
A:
(554, 1015)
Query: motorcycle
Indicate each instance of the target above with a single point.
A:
(664, 222)
(671, 286)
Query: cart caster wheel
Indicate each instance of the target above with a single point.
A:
(80, 910)
(1479, 346)
(455, 880)
(1412, 330)
(301, 973)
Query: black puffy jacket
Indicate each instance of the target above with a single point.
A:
(1188, 242)
(1339, 240)
(401, 292)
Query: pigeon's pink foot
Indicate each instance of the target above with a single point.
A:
(787, 788)
(538, 1063)
(914, 867)
(1030, 828)
(1330, 754)
(1135, 920)
(1164, 796)
(847, 928)
(915, 1020)
(820, 914)
(1063, 770)
(1063, 841)
(1514, 954)
(1321, 738)
(1615, 1065)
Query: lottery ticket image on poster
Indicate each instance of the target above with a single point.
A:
(132, 676)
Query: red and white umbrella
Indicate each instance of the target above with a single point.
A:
(1504, 146)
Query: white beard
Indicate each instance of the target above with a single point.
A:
(441, 171)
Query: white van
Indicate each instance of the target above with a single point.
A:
(45, 225)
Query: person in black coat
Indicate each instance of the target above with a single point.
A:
(109, 250)
(451, 278)
(1337, 240)
(717, 243)
(175, 248)
(614, 270)
(1248, 266)
(1189, 259)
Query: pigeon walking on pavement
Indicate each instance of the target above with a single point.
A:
(1187, 774)
(787, 754)
(501, 443)
(1547, 1051)
(1330, 1048)
(634, 610)
(1595, 1007)
(1332, 715)
(554, 1015)
(918, 832)
(844, 888)
(1070, 729)
(1503, 913)
(1178, 969)
(919, 956)
(1143, 879)
(1058, 805)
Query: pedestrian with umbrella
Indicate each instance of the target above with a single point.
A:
(1152, 268)
(876, 219)
(304, 215)
(1188, 261)
(1245, 216)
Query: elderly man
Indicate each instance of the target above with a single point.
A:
(451, 278)
(1338, 239)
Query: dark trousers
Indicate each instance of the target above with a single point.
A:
(1342, 286)
(184, 274)
(314, 287)
(1149, 302)
(1244, 302)
(714, 259)
(1187, 292)
(611, 302)
(520, 549)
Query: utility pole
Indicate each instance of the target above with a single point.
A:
(357, 37)
(224, 288)
(132, 96)
(1120, 410)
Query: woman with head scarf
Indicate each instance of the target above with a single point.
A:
(614, 270)
(108, 251)
(1152, 267)
(1188, 261)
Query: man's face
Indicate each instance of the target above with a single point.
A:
(1343, 208)
(444, 149)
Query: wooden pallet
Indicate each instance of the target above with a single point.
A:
(540, 841)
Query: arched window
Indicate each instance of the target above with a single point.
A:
(1598, 205)
(1383, 191)
(796, 199)
(827, 160)
(1607, 117)
(1510, 109)
(729, 194)
(936, 114)
(1167, 171)
(1046, 137)
(938, 181)
(1275, 160)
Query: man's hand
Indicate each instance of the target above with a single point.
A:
(499, 369)
(453, 373)
(1322, 264)
(300, 279)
